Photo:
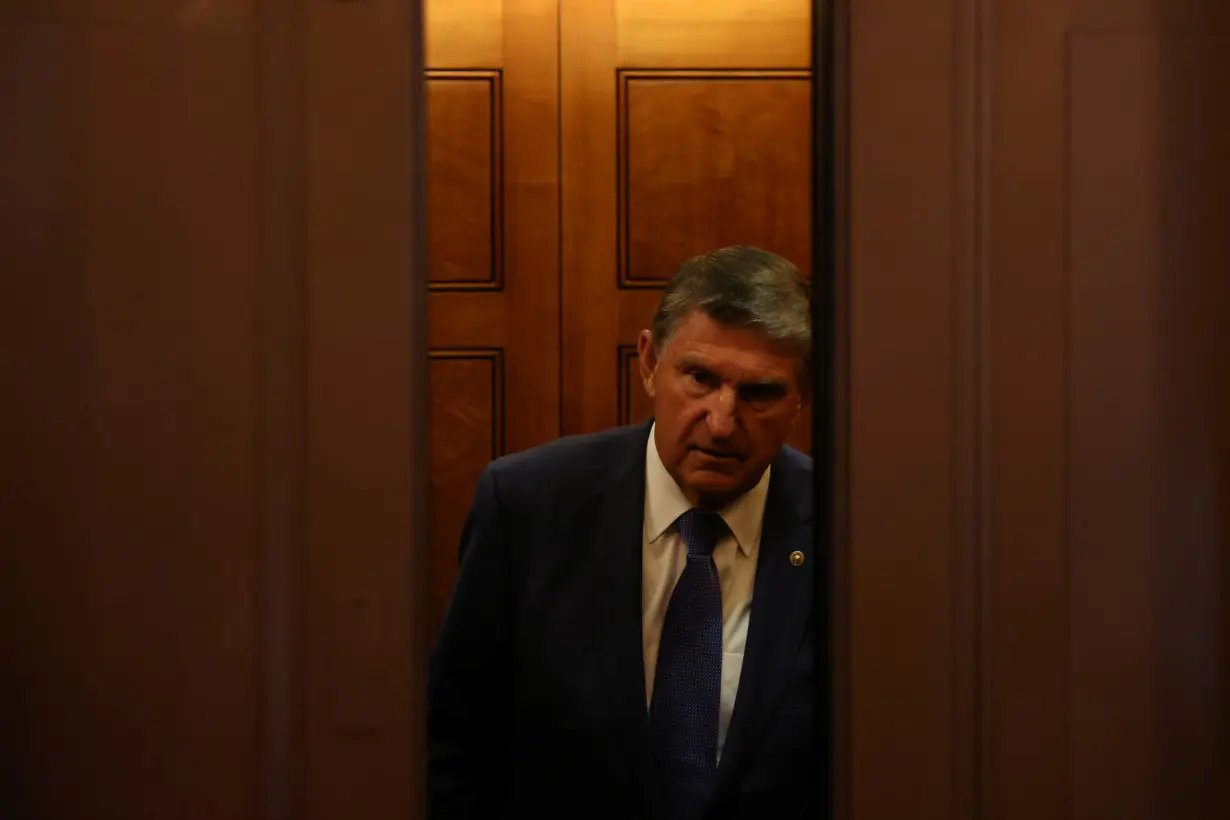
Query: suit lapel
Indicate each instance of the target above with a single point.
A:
(781, 610)
(617, 535)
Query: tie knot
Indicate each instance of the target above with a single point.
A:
(701, 531)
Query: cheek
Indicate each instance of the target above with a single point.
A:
(674, 402)
(690, 414)
(775, 427)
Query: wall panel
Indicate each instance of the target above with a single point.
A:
(467, 431)
(465, 193)
(709, 159)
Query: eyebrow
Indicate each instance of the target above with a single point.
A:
(688, 362)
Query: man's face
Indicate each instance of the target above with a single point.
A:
(724, 401)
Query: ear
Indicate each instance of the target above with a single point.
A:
(802, 410)
(647, 356)
(804, 406)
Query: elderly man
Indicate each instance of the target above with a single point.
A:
(630, 635)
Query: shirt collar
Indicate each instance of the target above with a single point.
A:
(665, 502)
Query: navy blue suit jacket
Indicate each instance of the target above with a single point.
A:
(536, 691)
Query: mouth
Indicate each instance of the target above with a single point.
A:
(721, 455)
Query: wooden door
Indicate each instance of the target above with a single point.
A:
(1040, 391)
(209, 368)
(685, 127)
(493, 196)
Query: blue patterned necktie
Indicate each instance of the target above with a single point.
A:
(687, 685)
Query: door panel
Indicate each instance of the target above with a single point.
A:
(704, 156)
(1107, 349)
(466, 211)
(1040, 409)
(685, 127)
(210, 368)
(493, 193)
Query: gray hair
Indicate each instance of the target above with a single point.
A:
(740, 286)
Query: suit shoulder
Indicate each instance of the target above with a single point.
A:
(797, 460)
(571, 462)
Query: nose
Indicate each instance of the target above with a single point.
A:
(721, 416)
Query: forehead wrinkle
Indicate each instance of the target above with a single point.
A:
(742, 376)
(740, 351)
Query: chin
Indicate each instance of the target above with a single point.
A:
(714, 484)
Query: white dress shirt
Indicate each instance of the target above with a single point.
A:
(665, 556)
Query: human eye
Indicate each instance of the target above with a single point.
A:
(702, 378)
(762, 393)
